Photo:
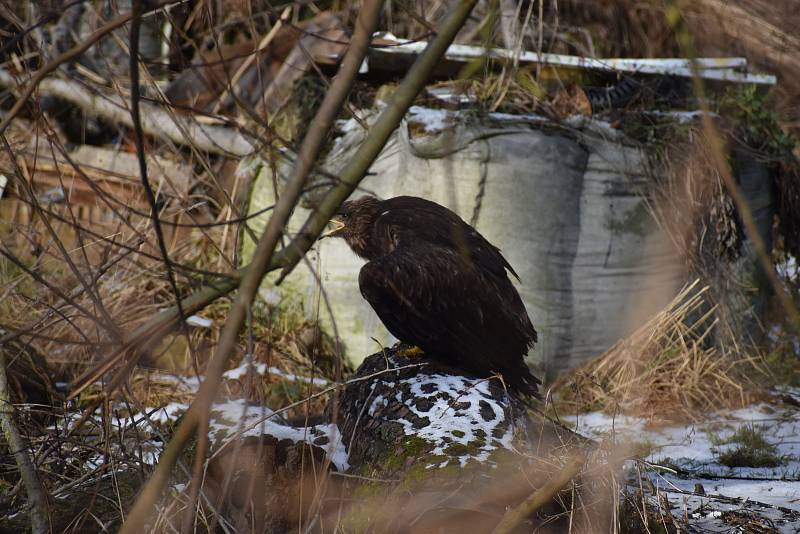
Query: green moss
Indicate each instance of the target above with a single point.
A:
(409, 451)
(374, 503)
(417, 473)
(456, 449)
(747, 457)
(414, 446)
(477, 443)
(365, 512)
(368, 490)
(664, 356)
(190, 450)
(459, 449)
(307, 96)
(394, 463)
(422, 472)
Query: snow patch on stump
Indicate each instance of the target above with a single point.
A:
(414, 411)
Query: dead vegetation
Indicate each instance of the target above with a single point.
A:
(668, 368)
(81, 266)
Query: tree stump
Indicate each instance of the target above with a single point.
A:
(428, 450)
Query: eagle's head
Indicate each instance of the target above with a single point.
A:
(354, 222)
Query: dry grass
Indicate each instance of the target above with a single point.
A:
(667, 369)
(291, 362)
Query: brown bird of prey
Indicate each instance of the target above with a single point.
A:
(439, 285)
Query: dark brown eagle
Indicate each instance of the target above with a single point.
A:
(437, 284)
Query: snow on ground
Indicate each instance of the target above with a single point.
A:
(165, 414)
(713, 515)
(236, 419)
(229, 420)
(261, 368)
(189, 384)
(692, 448)
(690, 454)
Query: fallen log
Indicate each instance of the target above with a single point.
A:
(187, 130)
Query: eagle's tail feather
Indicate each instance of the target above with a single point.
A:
(523, 381)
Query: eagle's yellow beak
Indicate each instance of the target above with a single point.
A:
(337, 227)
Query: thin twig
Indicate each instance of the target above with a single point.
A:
(155, 121)
(265, 249)
(723, 167)
(163, 323)
(37, 498)
(540, 497)
(136, 22)
(69, 55)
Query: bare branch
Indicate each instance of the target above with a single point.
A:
(40, 520)
(136, 23)
(717, 150)
(67, 56)
(353, 173)
(539, 498)
(155, 121)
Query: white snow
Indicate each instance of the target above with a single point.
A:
(465, 427)
(165, 414)
(693, 449)
(347, 125)
(788, 268)
(189, 384)
(682, 117)
(241, 371)
(522, 117)
(237, 419)
(451, 96)
(297, 378)
(260, 368)
(774, 492)
(434, 120)
(199, 322)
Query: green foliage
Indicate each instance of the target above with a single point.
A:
(750, 448)
(756, 125)
(308, 93)
(413, 447)
(656, 133)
